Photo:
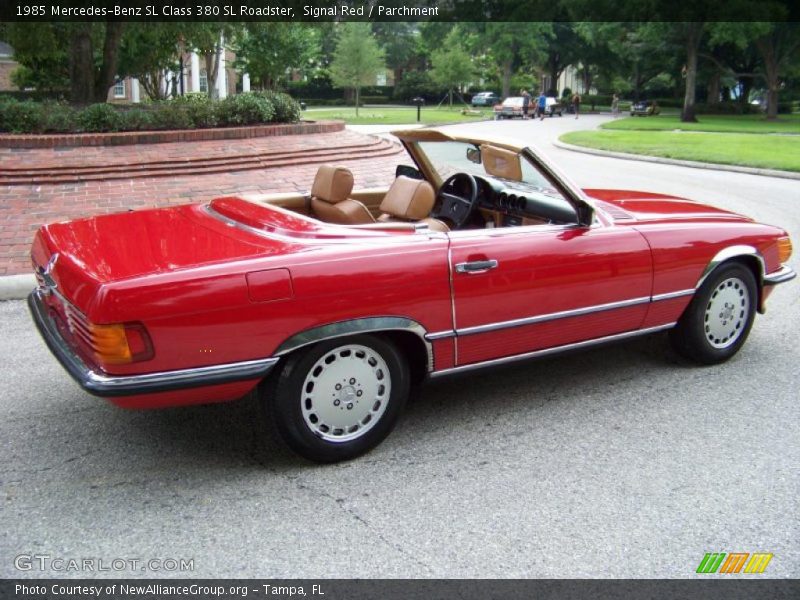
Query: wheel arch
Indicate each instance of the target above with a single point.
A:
(406, 333)
(745, 255)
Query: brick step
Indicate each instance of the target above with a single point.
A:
(200, 167)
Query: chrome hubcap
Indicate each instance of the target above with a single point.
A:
(345, 393)
(726, 313)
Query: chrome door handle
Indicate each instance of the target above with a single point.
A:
(478, 266)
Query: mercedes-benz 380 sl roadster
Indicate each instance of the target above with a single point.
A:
(332, 305)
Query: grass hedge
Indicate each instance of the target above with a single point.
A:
(187, 112)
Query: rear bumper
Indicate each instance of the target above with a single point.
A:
(782, 275)
(102, 384)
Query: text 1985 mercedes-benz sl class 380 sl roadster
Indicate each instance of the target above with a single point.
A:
(333, 304)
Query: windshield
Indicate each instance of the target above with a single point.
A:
(448, 158)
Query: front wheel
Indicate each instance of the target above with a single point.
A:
(340, 398)
(717, 321)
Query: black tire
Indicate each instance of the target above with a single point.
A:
(717, 322)
(294, 407)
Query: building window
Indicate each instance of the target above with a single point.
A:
(380, 79)
(204, 82)
(119, 89)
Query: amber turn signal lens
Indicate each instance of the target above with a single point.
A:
(120, 344)
(784, 249)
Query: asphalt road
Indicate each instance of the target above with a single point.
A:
(619, 462)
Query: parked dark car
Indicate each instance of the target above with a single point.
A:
(485, 99)
(644, 108)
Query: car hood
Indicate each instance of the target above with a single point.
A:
(637, 206)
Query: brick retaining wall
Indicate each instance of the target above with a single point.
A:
(157, 137)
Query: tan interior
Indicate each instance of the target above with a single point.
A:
(501, 162)
(406, 202)
(410, 200)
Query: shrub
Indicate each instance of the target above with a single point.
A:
(59, 118)
(99, 117)
(287, 109)
(167, 116)
(137, 120)
(200, 110)
(245, 109)
(725, 108)
(374, 100)
(21, 117)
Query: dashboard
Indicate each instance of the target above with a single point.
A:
(518, 203)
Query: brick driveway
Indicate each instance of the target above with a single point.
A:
(148, 175)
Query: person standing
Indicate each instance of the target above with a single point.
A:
(526, 102)
(576, 104)
(615, 106)
(542, 105)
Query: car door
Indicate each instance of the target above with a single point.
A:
(521, 289)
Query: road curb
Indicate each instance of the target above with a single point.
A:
(681, 163)
(16, 287)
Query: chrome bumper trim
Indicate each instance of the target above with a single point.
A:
(782, 275)
(549, 351)
(100, 384)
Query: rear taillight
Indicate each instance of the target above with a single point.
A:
(120, 344)
(784, 249)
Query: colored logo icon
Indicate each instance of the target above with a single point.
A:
(735, 562)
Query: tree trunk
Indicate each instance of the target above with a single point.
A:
(450, 94)
(771, 75)
(506, 79)
(212, 70)
(107, 74)
(713, 88)
(81, 65)
(694, 34)
(358, 98)
(152, 83)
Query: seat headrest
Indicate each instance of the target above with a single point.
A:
(410, 199)
(332, 184)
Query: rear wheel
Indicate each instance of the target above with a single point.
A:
(718, 320)
(340, 398)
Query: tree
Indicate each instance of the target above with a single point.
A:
(87, 52)
(511, 47)
(146, 51)
(42, 53)
(451, 66)
(402, 45)
(780, 49)
(267, 50)
(358, 58)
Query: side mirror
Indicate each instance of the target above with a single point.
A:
(474, 155)
(407, 171)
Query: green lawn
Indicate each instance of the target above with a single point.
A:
(721, 123)
(396, 116)
(748, 149)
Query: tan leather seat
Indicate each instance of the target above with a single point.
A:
(410, 200)
(329, 198)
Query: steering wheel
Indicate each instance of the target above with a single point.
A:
(453, 202)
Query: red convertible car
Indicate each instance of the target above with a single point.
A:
(331, 305)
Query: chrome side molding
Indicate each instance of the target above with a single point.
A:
(549, 351)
